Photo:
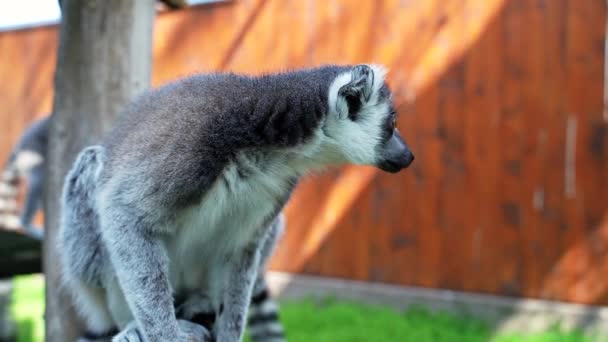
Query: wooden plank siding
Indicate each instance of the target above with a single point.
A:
(500, 100)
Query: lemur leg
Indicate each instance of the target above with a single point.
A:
(264, 325)
(119, 309)
(33, 201)
(91, 303)
(237, 294)
(141, 266)
(263, 322)
(131, 332)
(275, 232)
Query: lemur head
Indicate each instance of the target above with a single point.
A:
(361, 124)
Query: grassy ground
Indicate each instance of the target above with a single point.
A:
(27, 308)
(330, 321)
(340, 322)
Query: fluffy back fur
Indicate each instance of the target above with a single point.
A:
(226, 119)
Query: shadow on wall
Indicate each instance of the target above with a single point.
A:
(505, 197)
(358, 206)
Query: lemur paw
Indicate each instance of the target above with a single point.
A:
(129, 334)
(198, 309)
(196, 304)
(190, 332)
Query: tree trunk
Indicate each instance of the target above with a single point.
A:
(104, 59)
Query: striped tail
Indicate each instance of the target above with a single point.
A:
(9, 188)
(264, 324)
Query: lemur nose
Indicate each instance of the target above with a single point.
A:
(409, 158)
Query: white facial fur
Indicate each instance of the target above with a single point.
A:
(355, 141)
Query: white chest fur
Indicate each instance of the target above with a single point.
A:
(227, 220)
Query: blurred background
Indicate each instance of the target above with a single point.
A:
(499, 229)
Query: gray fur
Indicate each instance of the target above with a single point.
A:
(26, 161)
(79, 191)
(263, 320)
(86, 259)
(194, 175)
(84, 256)
(199, 303)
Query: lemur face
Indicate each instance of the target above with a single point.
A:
(362, 122)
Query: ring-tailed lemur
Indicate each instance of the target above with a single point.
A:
(26, 161)
(195, 306)
(181, 196)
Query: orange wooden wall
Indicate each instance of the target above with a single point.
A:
(500, 100)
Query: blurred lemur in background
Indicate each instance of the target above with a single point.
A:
(182, 197)
(26, 162)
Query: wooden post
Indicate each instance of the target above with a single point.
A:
(605, 112)
(104, 59)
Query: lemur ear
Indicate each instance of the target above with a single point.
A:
(358, 91)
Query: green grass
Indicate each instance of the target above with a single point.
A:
(27, 308)
(330, 320)
(341, 322)
(338, 321)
